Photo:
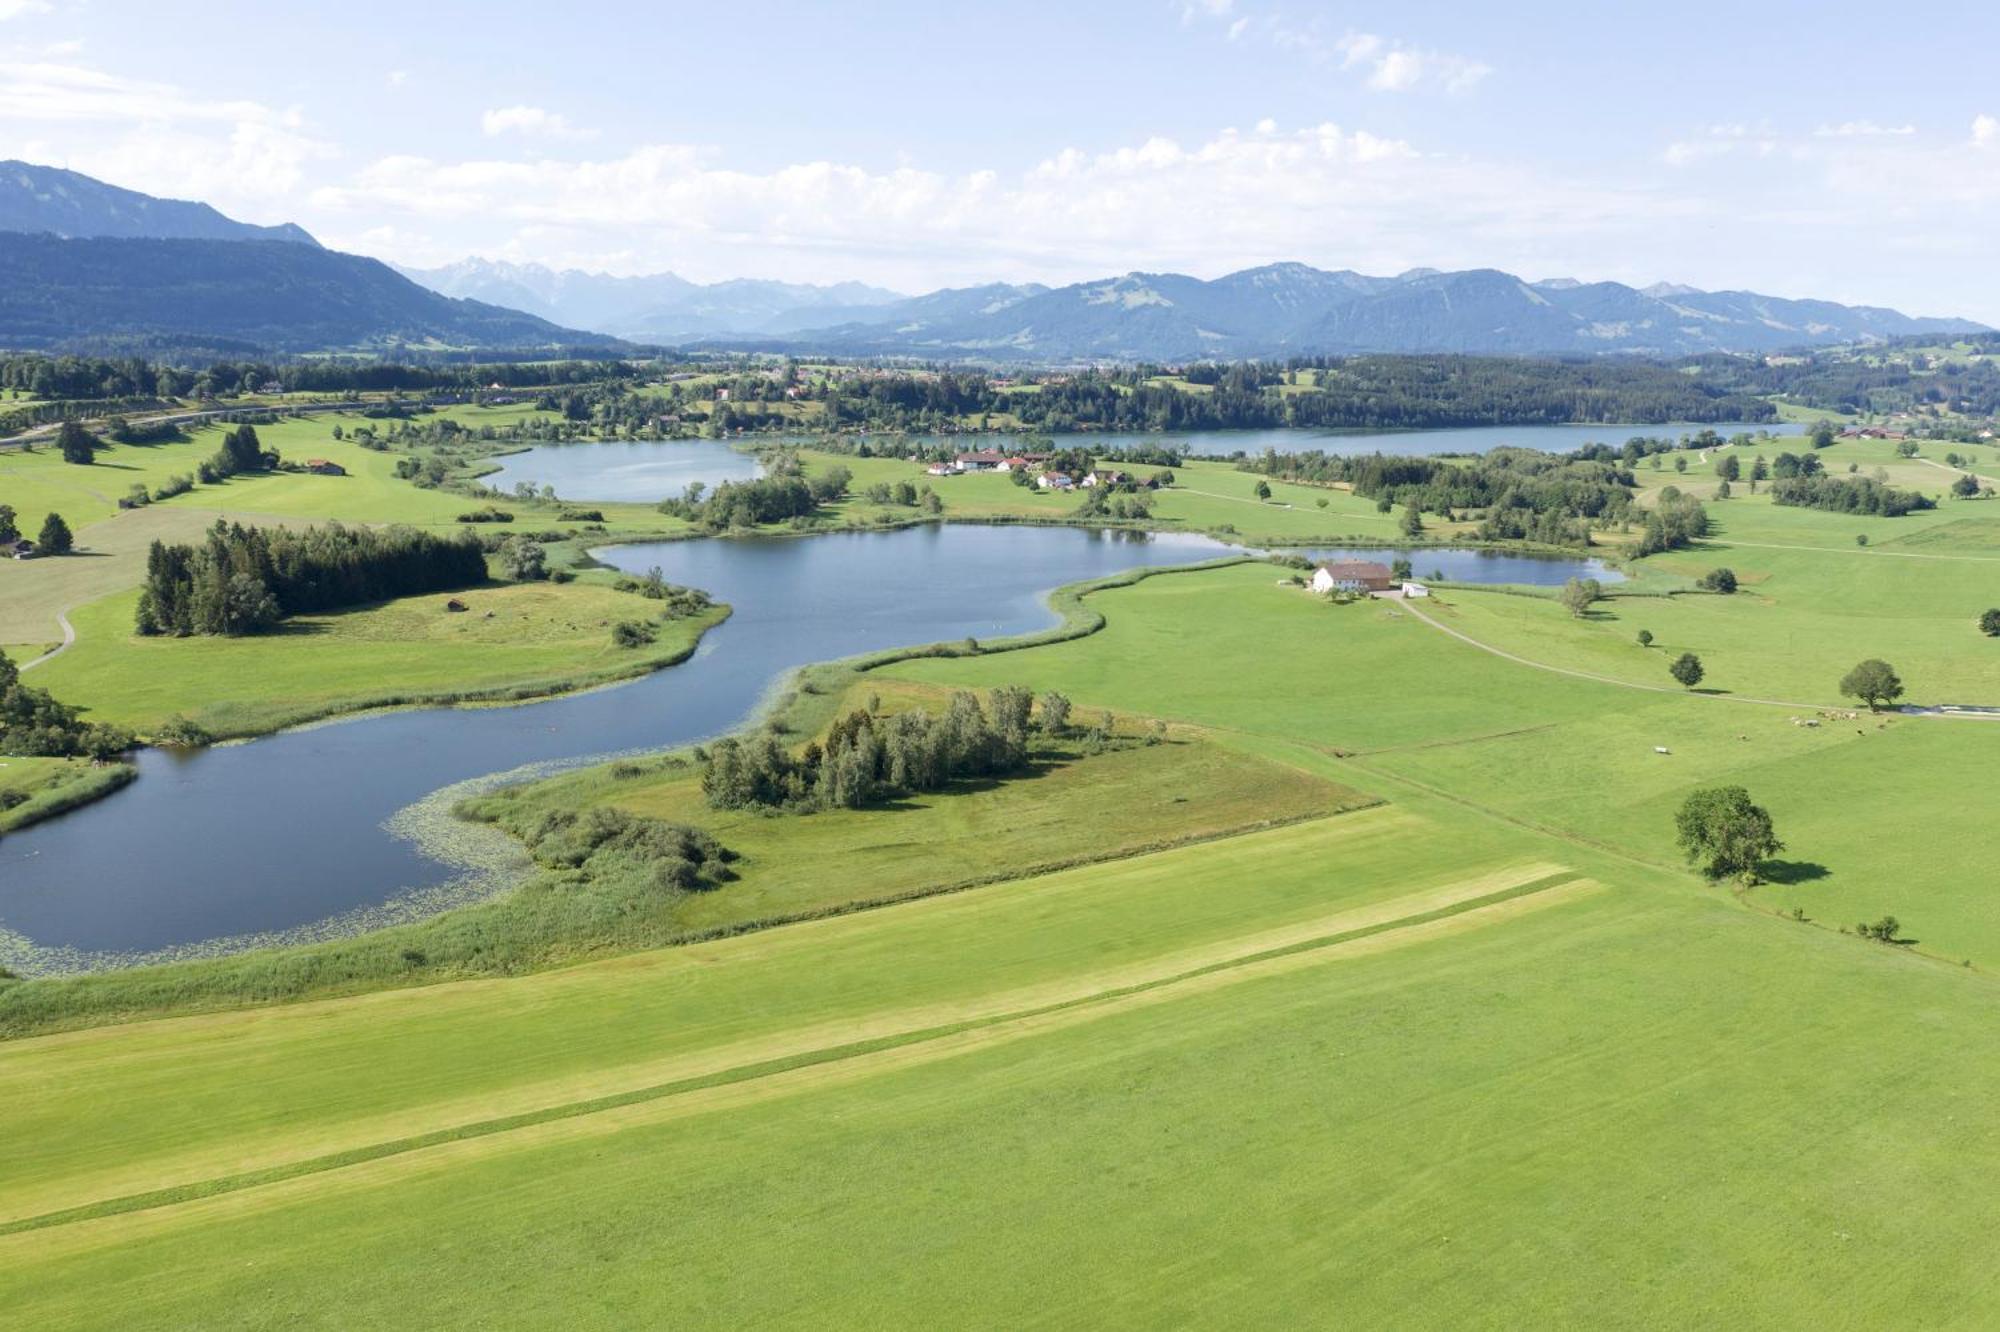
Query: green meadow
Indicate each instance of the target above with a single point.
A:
(512, 641)
(1374, 987)
(1205, 497)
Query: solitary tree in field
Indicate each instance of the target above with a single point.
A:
(1989, 623)
(77, 444)
(1263, 491)
(1727, 468)
(1413, 521)
(1723, 833)
(1645, 638)
(9, 529)
(1874, 682)
(1822, 433)
(55, 538)
(1687, 669)
(1578, 593)
(1966, 486)
(1718, 580)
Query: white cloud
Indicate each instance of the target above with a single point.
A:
(1384, 64)
(531, 122)
(396, 78)
(1985, 130)
(1723, 140)
(1863, 129)
(10, 9)
(1195, 10)
(155, 136)
(1322, 193)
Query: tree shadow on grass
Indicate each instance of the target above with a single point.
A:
(1789, 872)
(1712, 692)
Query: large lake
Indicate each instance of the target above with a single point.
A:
(290, 837)
(647, 471)
(641, 471)
(1404, 443)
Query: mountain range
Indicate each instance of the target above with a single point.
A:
(1276, 310)
(660, 307)
(1293, 309)
(83, 264)
(72, 205)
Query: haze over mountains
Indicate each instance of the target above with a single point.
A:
(84, 263)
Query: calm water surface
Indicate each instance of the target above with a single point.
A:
(1403, 443)
(640, 471)
(282, 834)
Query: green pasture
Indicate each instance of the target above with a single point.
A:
(515, 640)
(1205, 497)
(963, 1111)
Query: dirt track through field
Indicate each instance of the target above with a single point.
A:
(707, 1083)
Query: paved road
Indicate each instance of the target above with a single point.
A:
(69, 637)
(43, 432)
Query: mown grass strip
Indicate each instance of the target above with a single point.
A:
(744, 1073)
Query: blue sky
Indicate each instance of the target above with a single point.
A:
(1835, 150)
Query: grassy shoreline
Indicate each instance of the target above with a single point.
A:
(522, 930)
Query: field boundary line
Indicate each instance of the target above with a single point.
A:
(885, 1053)
(1518, 660)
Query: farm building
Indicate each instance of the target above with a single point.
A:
(23, 549)
(1352, 576)
(981, 460)
(1107, 476)
(1054, 481)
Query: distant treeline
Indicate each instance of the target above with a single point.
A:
(1522, 494)
(244, 579)
(1362, 392)
(1842, 381)
(142, 381)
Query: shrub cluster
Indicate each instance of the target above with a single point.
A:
(34, 725)
(867, 758)
(241, 451)
(1674, 522)
(606, 843)
(1858, 494)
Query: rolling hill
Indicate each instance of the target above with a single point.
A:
(71, 205)
(270, 295)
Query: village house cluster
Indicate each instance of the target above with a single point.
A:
(1037, 465)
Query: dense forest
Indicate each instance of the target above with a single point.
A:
(1896, 378)
(132, 377)
(244, 579)
(1356, 392)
